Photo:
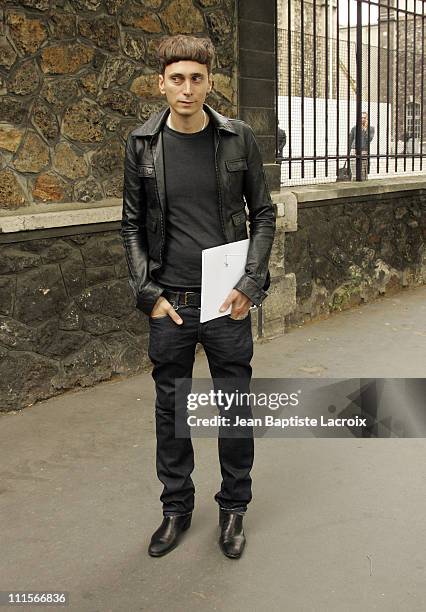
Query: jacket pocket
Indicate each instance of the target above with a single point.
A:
(146, 174)
(236, 165)
(236, 169)
(239, 222)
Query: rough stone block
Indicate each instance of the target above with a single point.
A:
(276, 261)
(98, 324)
(71, 318)
(54, 342)
(126, 354)
(27, 34)
(24, 379)
(99, 275)
(14, 259)
(65, 58)
(73, 273)
(252, 95)
(7, 295)
(49, 187)
(256, 36)
(257, 65)
(253, 10)
(86, 367)
(281, 302)
(40, 294)
(16, 335)
(286, 205)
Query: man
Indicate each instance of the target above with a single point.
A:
(367, 135)
(187, 170)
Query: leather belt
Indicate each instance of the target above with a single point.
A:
(183, 298)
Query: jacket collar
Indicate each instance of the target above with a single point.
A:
(155, 122)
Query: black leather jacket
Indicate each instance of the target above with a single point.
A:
(240, 176)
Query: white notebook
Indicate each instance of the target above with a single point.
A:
(222, 267)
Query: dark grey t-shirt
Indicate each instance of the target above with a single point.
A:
(193, 221)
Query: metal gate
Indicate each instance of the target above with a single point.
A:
(350, 89)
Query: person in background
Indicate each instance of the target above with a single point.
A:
(367, 135)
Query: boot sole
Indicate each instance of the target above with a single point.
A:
(186, 526)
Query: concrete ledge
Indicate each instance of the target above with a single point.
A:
(45, 216)
(333, 191)
(286, 208)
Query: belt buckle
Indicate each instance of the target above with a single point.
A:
(185, 303)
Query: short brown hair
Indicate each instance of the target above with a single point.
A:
(180, 47)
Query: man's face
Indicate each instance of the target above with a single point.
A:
(185, 85)
(364, 119)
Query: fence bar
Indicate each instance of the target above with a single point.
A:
(397, 131)
(314, 34)
(277, 76)
(369, 81)
(289, 65)
(326, 87)
(413, 105)
(387, 86)
(358, 89)
(337, 86)
(422, 91)
(302, 66)
(378, 92)
(348, 127)
(405, 86)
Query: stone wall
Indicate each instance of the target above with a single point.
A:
(68, 317)
(347, 253)
(77, 75)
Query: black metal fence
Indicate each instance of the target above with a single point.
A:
(350, 89)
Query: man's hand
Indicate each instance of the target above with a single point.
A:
(163, 308)
(240, 304)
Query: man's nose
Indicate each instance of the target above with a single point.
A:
(187, 87)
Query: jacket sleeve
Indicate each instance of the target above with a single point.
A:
(133, 233)
(261, 223)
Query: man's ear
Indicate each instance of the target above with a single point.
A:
(161, 83)
(211, 83)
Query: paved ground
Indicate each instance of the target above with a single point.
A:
(335, 525)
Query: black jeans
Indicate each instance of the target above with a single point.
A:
(228, 345)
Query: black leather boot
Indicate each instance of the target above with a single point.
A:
(167, 536)
(232, 539)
